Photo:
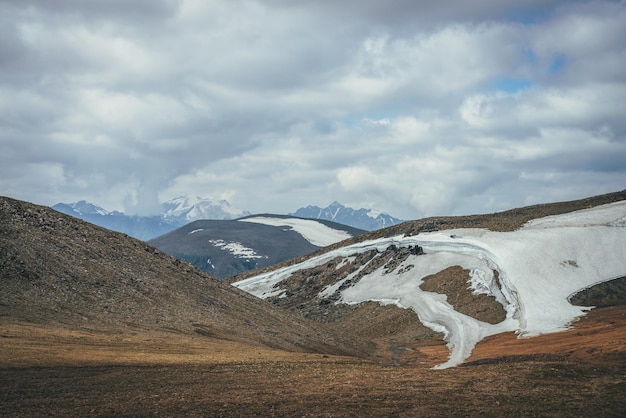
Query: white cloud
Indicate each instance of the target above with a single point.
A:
(412, 108)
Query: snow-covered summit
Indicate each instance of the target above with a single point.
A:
(192, 208)
(367, 219)
(82, 207)
(531, 272)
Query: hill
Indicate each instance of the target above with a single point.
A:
(463, 283)
(61, 271)
(229, 247)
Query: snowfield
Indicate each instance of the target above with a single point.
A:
(539, 267)
(315, 232)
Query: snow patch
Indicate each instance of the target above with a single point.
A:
(315, 232)
(236, 248)
(345, 261)
(374, 213)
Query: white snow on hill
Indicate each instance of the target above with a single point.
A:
(539, 267)
(235, 248)
(314, 232)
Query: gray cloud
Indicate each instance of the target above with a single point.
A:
(415, 108)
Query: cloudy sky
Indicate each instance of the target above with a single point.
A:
(416, 108)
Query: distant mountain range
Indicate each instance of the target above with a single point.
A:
(174, 214)
(225, 248)
(182, 210)
(367, 219)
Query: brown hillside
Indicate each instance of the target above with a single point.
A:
(58, 270)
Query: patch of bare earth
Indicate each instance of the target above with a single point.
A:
(453, 282)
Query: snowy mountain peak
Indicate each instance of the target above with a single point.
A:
(367, 219)
(375, 213)
(82, 207)
(191, 208)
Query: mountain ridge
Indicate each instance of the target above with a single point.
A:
(367, 219)
(98, 324)
(193, 208)
(173, 214)
(181, 210)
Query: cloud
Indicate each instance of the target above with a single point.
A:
(414, 108)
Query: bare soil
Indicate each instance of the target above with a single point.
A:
(453, 282)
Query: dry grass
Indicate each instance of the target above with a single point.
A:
(63, 372)
(600, 336)
(28, 345)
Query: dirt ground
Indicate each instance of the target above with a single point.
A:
(60, 372)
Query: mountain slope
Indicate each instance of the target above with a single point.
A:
(228, 247)
(61, 271)
(519, 280)
(366, 219)
(140, 227)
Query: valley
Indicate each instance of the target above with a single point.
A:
(94, 323)
(56, 372)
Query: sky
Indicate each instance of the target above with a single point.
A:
(415, 108)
